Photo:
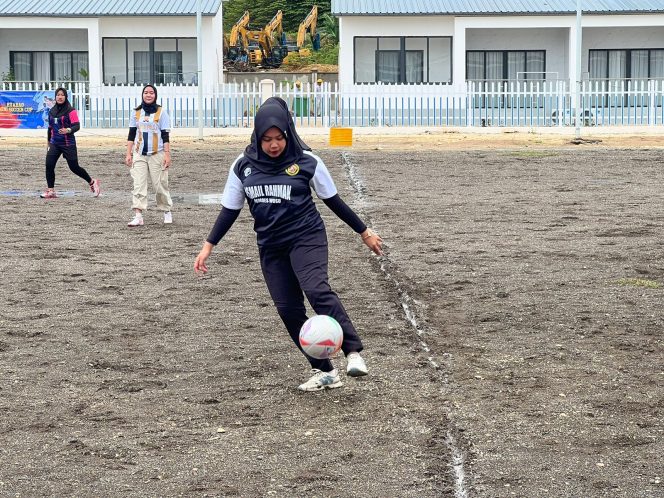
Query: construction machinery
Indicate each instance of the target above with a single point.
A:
(272, 50)
(237, 48)
(307, 26)
(256, 47)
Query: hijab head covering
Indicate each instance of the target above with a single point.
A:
(148, 108)
(274, 113)
(59, 110)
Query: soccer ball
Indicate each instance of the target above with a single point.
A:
(321, 336)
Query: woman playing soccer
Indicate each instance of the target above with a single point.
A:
(62, 124)
(275, 174)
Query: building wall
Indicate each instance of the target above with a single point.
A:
(217, 36)
(553, 40)
(166, 27)
(350, 27)
(623, 37)
(19, 35)
(49, 34)
(555, 34)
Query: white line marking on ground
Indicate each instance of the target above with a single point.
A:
(409, 305)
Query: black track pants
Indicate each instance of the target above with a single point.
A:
(71, 156)
(301, 270)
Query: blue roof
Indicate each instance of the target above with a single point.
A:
(492, 7)
(96, 8)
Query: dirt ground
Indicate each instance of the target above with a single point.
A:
(513, 330)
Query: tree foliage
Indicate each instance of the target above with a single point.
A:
(328, 27)
(261, 11)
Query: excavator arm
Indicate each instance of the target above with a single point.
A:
(274, 27)
(242, 24)
(308, 25)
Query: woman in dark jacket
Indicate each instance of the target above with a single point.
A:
(275, 175)
(62, 124)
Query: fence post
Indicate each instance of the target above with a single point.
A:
(266, 88)
(652, 115)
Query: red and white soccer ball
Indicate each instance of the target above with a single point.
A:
(321, 336)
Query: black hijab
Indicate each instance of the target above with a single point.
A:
(59, 110)
(274, 113)
(149, 108)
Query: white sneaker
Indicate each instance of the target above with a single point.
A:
(321, 380)
(355, 366)
(137, 221)
(168, 218)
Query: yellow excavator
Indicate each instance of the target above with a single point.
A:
(256, 47)
(237, 41)
(307, 26)
(270, 41)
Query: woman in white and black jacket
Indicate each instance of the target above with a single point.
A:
(149, 154)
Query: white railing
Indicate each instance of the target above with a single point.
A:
(479, 103)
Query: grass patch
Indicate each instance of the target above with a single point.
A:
(639, 282)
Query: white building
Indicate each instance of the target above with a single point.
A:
(104, 42)
(453, 41)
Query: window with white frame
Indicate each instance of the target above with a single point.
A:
(149, 60)
(506, 65)
(403, 59)
(636, 64)
(49, 66)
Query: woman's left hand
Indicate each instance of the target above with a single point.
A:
(373, 241)
(167, 159)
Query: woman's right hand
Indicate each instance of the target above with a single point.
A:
(200, 268)
(373, 241)
(128, 159)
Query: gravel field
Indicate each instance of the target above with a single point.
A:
(513, 330)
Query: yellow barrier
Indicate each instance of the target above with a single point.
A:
(341, 137)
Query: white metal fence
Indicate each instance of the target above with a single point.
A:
(480, 103)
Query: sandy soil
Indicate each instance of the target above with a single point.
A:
(513, 330)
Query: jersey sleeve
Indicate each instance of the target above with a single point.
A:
(132, 119)
(233, 195)
(164, 121)
(73, 116)
(322, 182)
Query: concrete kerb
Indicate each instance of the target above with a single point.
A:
(381, 137)
(360, 131)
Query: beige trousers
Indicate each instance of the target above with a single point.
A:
(152, 166)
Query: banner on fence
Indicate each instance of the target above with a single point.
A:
(25, 109)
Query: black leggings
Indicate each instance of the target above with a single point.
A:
(301, 269)
(71, 156)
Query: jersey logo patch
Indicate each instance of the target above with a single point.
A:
(292, 170)
(247, 172)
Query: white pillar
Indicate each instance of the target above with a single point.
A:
(571, 66)
(346, 58)
(577, 71)
(459, 56)
(199, 77)
(574, 65)
(94, 56)
(210, 55)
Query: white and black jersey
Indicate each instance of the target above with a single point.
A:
(281, 203)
